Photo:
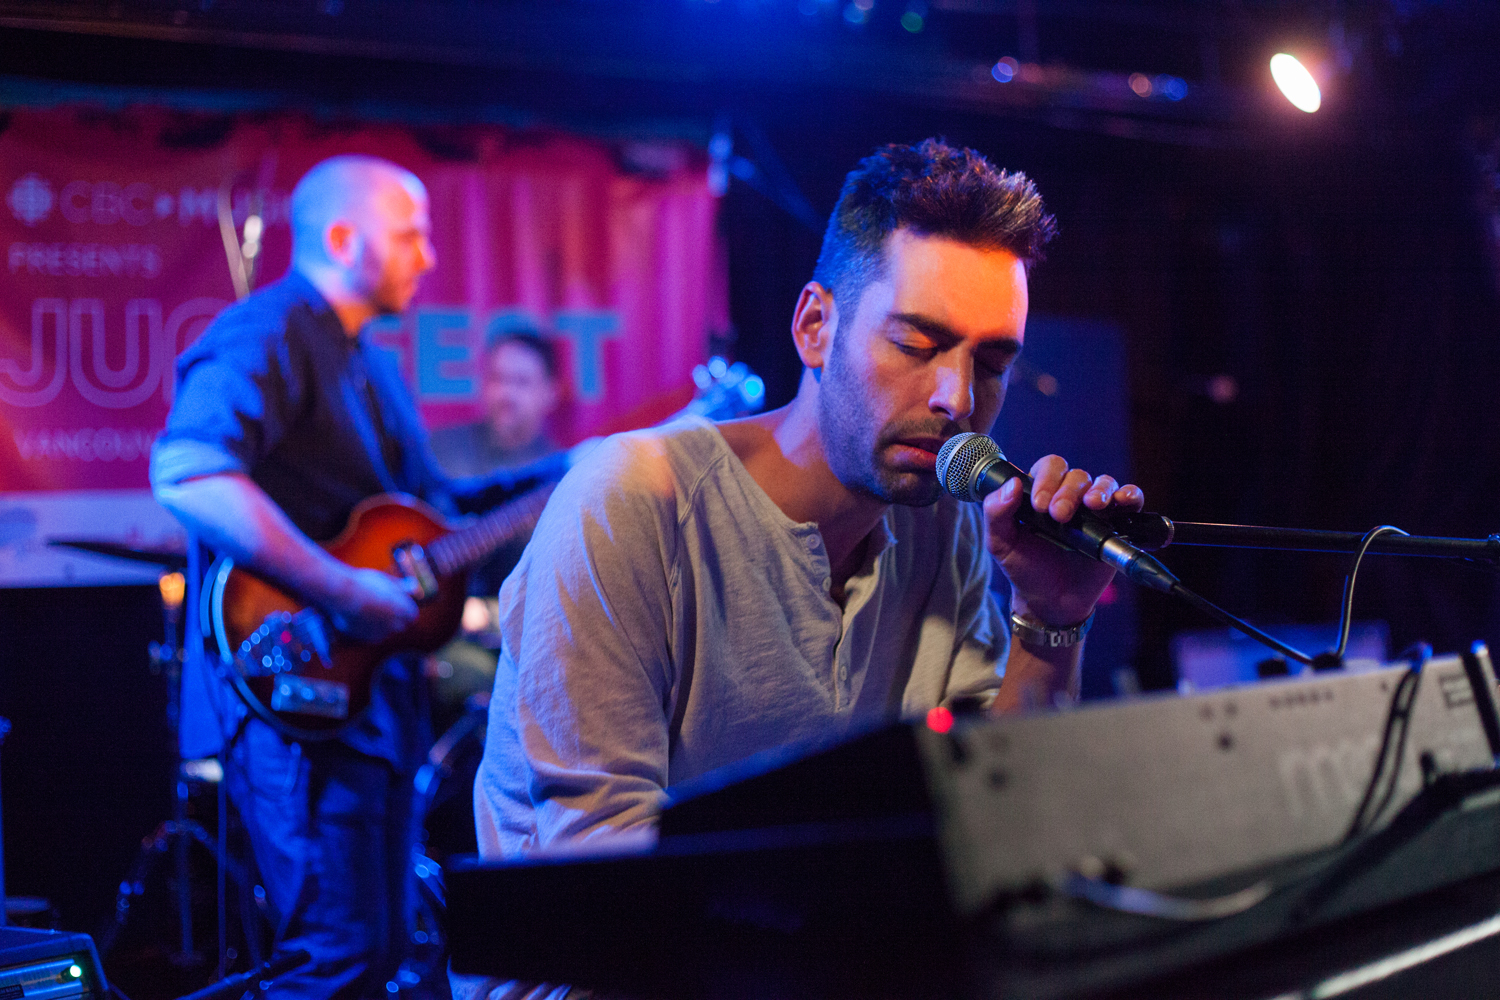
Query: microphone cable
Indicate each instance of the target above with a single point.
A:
(1346, 615)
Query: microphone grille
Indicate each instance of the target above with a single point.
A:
(960, 460)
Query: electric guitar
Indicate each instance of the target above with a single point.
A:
(296, 672)
(285, 659)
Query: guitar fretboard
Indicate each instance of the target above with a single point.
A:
(458, 550)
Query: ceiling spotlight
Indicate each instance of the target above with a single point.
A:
(1296, 83)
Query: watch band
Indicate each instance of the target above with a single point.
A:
(1035, 633)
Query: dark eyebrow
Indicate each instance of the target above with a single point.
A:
(945, 335)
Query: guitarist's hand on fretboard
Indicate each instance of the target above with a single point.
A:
(372, 606)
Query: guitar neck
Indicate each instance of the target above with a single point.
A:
(474, 543)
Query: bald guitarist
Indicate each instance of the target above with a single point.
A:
(284, 419)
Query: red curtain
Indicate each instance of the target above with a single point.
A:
(115, 261)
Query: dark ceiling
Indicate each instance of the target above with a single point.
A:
(1383, 64)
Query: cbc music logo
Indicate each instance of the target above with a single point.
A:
(30, 199)
(105, 203)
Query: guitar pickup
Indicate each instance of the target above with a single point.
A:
(328, 699)
(416, 570)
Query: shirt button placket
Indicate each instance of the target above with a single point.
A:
(814, 545)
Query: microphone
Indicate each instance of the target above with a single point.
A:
(972, 466)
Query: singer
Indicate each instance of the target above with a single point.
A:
(700, 592)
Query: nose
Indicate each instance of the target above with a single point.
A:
(427, 254)
(953, 392)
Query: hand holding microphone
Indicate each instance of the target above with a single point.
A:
(971, 466)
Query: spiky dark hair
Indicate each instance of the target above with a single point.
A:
(933, 189)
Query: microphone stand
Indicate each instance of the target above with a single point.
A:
(969, 466)
(1153, 531)
(1156, 532)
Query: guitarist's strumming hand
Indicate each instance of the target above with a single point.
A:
(371, 606)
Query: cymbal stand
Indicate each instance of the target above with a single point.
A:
(167, 658)
(177, 834)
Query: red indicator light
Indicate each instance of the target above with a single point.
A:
(939, 720)
(286, 637)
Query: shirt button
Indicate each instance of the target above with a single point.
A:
(827, 583)
(843, 671)
(812, 543)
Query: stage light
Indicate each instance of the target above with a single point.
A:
(1223, 389)
(1296, 83)
(1005, 70)
(912, 21)
(1141, 84)
(173, 588)
(1173, 88)
(754, 391)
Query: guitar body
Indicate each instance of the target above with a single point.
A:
(321, 694)
(289, 665)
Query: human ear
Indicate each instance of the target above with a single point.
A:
(814, 322)
(341, 241)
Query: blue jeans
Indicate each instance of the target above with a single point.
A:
(333, 831)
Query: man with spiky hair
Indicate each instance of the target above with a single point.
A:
(701, 592)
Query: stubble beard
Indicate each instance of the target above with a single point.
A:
(380, 289)
(853, 446)
(387, 297)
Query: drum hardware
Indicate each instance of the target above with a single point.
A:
(448, 763)
(176, 835)
(255, 982)
(169, 557)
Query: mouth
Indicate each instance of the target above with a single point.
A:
(918, 453)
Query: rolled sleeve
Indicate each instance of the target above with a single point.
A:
(175, 461)
(238, 389)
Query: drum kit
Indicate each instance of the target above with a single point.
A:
(459, 676)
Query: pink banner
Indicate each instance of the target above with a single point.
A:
(114, 261)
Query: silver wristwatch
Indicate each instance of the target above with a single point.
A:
(1034, 633)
